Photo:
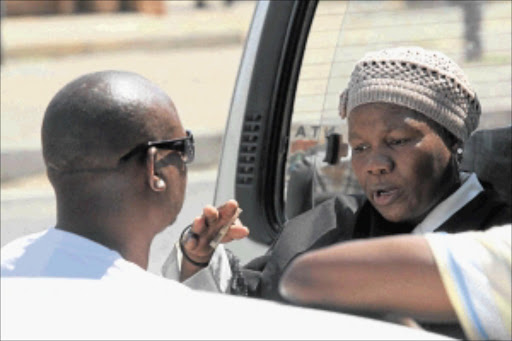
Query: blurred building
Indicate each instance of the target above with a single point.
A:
(55, 7)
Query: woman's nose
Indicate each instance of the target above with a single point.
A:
(379, 164)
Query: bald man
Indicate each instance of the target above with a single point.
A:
(116, 155)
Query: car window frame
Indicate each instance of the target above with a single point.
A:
(273, 54)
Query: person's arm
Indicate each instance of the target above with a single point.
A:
(382, 275)
(216, 277)
(215, 274)
(196, 245)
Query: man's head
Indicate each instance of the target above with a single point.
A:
(89, 126)
(409, 111)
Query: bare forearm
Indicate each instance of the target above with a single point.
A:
(394, 274)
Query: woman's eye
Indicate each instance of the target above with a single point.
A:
(398, 142)
(359, 148)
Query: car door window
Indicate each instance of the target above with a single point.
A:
(476, 34)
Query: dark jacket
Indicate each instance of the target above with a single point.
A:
(350, 217)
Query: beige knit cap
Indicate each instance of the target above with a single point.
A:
(425, 81)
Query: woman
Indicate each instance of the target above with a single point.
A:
(409, 112)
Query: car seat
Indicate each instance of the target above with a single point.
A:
(488, 153)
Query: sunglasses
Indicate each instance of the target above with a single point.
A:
(185, 146)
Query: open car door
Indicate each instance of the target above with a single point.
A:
(276, 157)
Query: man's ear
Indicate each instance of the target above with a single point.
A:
(156, 183)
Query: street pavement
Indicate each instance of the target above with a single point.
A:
(193, 54)
(183, 26)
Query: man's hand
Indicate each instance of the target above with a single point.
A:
(196, 243)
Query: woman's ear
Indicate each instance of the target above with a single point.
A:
(457, 151)
(156, 183)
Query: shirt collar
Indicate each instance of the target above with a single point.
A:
(469, 189)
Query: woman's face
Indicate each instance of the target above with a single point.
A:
(399, 160)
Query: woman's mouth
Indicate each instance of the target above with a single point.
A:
(384, 197)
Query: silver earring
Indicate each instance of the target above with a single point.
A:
(160, 184)
(458, 157)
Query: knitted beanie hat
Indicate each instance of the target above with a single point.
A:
(425, 81)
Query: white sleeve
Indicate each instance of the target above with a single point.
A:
(475, 268)
(215, 277)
